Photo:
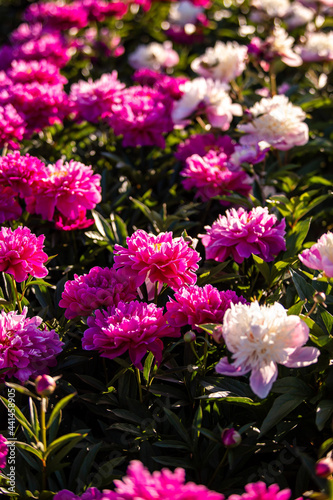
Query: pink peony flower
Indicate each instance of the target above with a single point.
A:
(324, 467)
(202, 143)
(67, 187)
(211, 176)
(260, 337)
(158, 258)
(230, 438)
(12, 127)
(3, 451)
(9, 206)
(317, 46)
(66, 224)
(320, 255)
(45, 385)
(21, 253)
(142, 115)
(259, 491)
(99, 288)
(26, 350)
(57, 15)
(135, 327)
(195, 306)
(277, 122)
(21, 173)
(99, 10)
(166, 84)
(35, 71)
(91, 99)
(277, 46)
(240, 233)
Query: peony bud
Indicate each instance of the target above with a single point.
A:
(189, 337)
(319, 298)
(45, 385)
(230, 438)
(324, 467)
(217, 334)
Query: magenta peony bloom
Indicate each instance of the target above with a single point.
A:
(35, 71)
(158, 258)
(9, 206)
(324, 467)
(320, 255)
(67, 187)
(142, 115)
(3, 451)
(99, 288)
(25, 350)
(91, 99)
(259, 491)
(99, 10)
(230, 438)
(260, 337)
(12, 127)
(240, 233)
(66, 224)
(211, 176)
(200, 144)
(195, 306)
(57, 15)
(21, 173)
(135, 327)
(169, 85)
(89, 494)
(21, 253)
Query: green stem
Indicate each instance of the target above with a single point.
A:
(43, 407)
(18, 301)
(205, 355)
(156, 292)
(330, 488)
(194, 351)
(272, 80)
(218, 468)
(138, 378)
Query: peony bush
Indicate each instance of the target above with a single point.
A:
(166, 250)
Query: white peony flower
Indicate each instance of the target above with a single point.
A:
(154, 56)
(184, 12)
(224, 61)
(317, 47)
(259, 338)
(273, 8)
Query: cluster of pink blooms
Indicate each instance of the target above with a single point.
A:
(195, 306)
(62, 192)
(99, 288)
(21, 253)
(240, 234)
(25, 349)
(3, 451)
(139, 483)
(161, 259)
(135, 327)
(320, 255)
(169, 85)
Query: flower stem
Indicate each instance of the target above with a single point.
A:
(218, 468)
(272, 79)
(18, 301)
(138, 378)
(156, 292)
(43, 407)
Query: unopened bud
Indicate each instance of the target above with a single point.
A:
(189, 337)
(45, 385)
(319, 298)
(217, 334)
(231, 438)
(324, 467)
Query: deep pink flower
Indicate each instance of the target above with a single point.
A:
(12, 127)
(99, 10)
(142, 115)
(158, 258)
(45, 385)
(230, 438)
(195, 306)
(3, 451)
(211, 176)
(202, 143)
(25, 349)
(21, 173)
(57, 15)
(35, 71)
(99, 288)
(320, 255)
(91, 99)
(68, 187)
(240, 233)
(26, 32)
(65, 224)
(21, 253)
(259, 491)
(167, 84)
(9, 206)
(135, 327)
(324, 467)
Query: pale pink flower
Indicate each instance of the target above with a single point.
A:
(99, 288)
(3, 451)
(154, 56)
(206, 97)
(21, 253)
(224, 61)
(193, 306)
(317, 46)
(25, 349)
(160, 258)
(239, 234)
(67, 187)
(277, 46)
(260, 338)
(276, 121)
(320, 255)
(135, 327)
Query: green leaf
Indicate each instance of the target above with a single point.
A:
(171, 444)
(323, 413)
(303, 288)
(325, 446)
(175, 462)
(34, 417)
(19, 417)
(62, 441)
(88, 461)
(21, 389)
(295, 238)
(147, 366)
(262, 267)
(282, 406)
(178, 427)
(30, 449)
(58, 407)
